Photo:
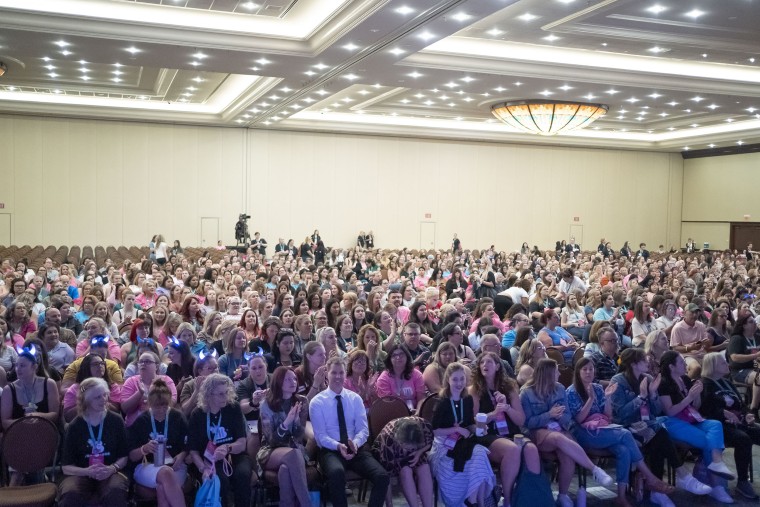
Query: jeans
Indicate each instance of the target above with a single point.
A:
(706, 435)
(334, 468)
(618, 441)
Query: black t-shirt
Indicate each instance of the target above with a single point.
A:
(77, 450)
(253, 346)
(738, 344)
(671, 389)
(233, 427)
(443, 417)
(487, 405)
(244, 391)
(140, 433)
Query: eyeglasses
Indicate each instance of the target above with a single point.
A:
(97, 363)
(144, 362)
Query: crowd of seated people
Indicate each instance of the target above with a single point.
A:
(244, 364)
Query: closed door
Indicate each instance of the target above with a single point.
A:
(209, 231)
(427, 235)
(5, 229)
(744, 233)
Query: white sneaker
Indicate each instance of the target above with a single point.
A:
(564, 501)
(602, 477)
(690, 484)
(661, 499)
(720, 468)
(720, 494)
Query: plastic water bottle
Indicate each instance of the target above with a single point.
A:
(159, 456)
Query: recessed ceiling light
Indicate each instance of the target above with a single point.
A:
(265, 104)
(751, 60)
(739, 142)
(321, 66)
(444, 97)
(697, 99)
(198, 79)
(116, 80)
(286, 89)
(461, 16)
(589, 96)
(654, 95)
(495, 32)
(364, 92)
(117, 65)
(419, 96)
(672, 103)
(405, 101)
(85, 78)
(249, 5)
(310, 73)
(263, 61)
(426, 36)
(729, 120)
(551, 38)
(694, 13)
(187, 94)
(351, 77)
(45, 58)
(604, 44)
(451, 84)
(711, 145)
(267, 123)
(546, 93)
(84, 69)
(191, 88)
(274, 97)
(53, 74)
(57, 92)
(397, 51)
(200, 56)
(62, 43)
(640, 118)
(685, 148)
(451, 104)
(468, 99)
(347, 100)
(632, 100)
(428, 102)
(404, 10)
(468, 79)
(657, 49)
(564, 88)
(612, 91)
(694, 125)
(751, 109)
(350, 46)
(567, 1)
(499, 89)
(527, 17)
(656, 9)
(623, 111)
(415, 74)
(133, 50)
(377, 85)
(713, 106)
(671, 128)
(322, 92)
(50, 67)
(621, 117)
(255, 69)
(195, 64)
(309, 100)
(65, 52)
(518, 83)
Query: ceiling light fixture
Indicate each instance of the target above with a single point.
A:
(656, 9)
(546, 117)
(461, 16)
(527, 17)
(551, 38)
(426, 36)
(397, 51)
(65, 52)
(249, 5)
(263, 61)
(350, 46)
(495, 32)
(62, 43)
(133, 50)
(404, 10)
(695, 13)
(739, 142)
(415, 75)
(200, 56)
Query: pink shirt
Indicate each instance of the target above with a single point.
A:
(70, 398)
(407, 390)
(131, 386)
(684, 334)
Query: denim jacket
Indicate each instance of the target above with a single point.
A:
(537, 409)
(626, 403)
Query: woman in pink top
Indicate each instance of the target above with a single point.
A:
(359, 377)
(485, 311)
(18, 317)
(401, 378)
(97, 327)
(134, 392)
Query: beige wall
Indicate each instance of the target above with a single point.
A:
(92, 182)
(717, 191)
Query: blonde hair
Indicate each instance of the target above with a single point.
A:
(209, 384)
(90, 388)
(543, 379)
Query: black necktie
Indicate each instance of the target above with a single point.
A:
(342, 422)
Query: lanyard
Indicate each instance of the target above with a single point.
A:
(100, 431)
(166, 424)
(216, 428)
(461, 411)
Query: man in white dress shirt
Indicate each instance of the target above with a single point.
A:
(340, 428)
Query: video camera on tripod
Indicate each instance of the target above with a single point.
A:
(241, 229)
